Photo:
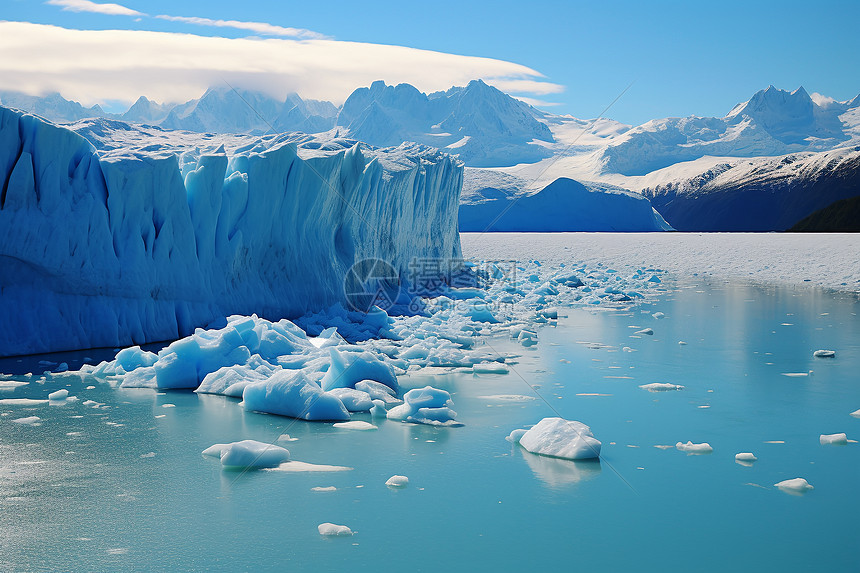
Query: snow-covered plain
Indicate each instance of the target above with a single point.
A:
(826, 260)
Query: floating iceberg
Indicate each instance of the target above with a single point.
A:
(836, 439)
(824, 354)
(397, 481)
(291, 393)
(356, 425)
(59, 395)
(691, 448)
(332, 530)
(661, 387)
(248, 454)
(745, 457)
(558, 438)
(426, 405)
(795, 485)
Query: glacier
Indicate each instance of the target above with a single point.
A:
(138, 243)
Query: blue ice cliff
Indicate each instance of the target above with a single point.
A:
(147, 241)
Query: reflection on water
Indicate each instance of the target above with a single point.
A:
(559, 473)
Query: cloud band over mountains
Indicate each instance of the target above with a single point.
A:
(93, 66)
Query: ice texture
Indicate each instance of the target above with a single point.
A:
(248, 454)
(558, 438)
(691, 448)
(146, 244)
(426, 405)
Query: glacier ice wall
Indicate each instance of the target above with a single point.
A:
(144, 245)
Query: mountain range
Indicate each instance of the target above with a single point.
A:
(774, 144)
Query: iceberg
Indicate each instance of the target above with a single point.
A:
(795, 485)
(330, 529)
(426, 405)
(397, 481)
(691, 448)
(248, 454)
(149, 241)
(835, 439)
(558, 438)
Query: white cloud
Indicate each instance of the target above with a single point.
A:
(93, 66)
(256, 27)
(534, 102)
(87, 6)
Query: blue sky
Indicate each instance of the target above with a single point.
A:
(682, 57)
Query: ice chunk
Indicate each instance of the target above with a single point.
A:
(661, 387)
(490, 368)
(378, 391)
(836, 439)
(745, 457)
(133, 357)
(292, 393)
(355, 425)
(248, 454)
(287, 438)
(28, 421)
(397, 481)
(795, 485)
(348, 368)
(303, 467)
(332, 530)
(559, 438)
(682, 343)
(824, 354)
(21, 402)
(855, 413)
(326, 488)
(378, 410)
(648, 331)
(354, 400)
(426, 405)
(61, 394)
(658, 315)
(691, 448)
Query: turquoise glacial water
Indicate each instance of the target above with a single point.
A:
(124, 488)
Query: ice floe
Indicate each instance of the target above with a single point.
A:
(794, 485)
(661, 387)
(824, 354)
(835, 439)
(426, 405)
(559, 438)
(28, 421)
(248, 454)
(59, 395)
(356, 425)
(691, 448)
(745, 457)
(332, 530)
(397, 481)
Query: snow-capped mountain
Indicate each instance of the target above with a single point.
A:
(146, 111)
(756, 194)
(479, 123)
(52, 106)
(772, 122)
